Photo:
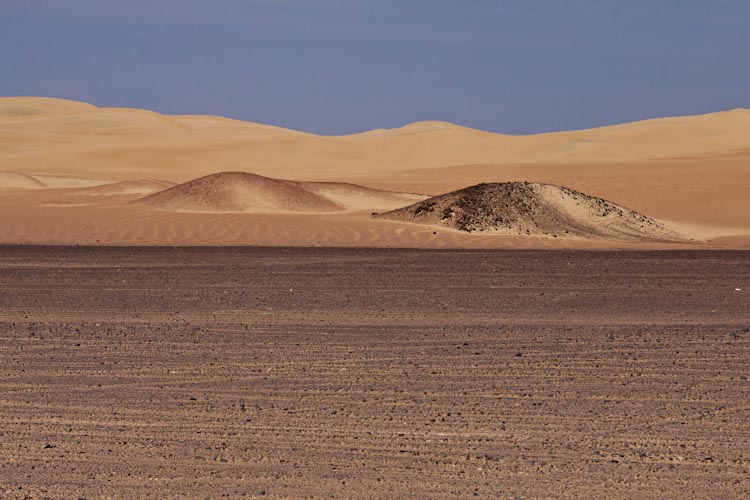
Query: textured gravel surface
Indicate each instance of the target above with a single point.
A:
(334, 373)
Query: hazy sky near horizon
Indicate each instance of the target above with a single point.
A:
(342, 66)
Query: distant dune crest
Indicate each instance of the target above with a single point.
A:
(11, 107)
(77, 138)
(525, 208)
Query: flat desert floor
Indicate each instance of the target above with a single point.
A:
(356, 373)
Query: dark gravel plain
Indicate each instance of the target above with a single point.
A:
(342, 373)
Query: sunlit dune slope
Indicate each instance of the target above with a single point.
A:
(54, 136)
(356, 197)
(124, 188)
(33, 181)
(238, 192)
(247, 192)
(16, 107)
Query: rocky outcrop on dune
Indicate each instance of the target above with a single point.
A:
(524, 208)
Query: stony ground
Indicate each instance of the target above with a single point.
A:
(324, 373)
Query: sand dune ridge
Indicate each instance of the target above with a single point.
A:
(248, 192)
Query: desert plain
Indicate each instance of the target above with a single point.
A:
(198, 307)
(373, 373)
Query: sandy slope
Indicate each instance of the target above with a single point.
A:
(114, 142)
(54, 217)
(35, 181)
(122, 188)
(693, 170)
(246, 192)
(238, 192)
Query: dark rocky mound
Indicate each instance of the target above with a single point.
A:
(525, 208)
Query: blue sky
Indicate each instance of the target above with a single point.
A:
(341, 66)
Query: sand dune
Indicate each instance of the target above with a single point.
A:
(694, 170)
(11, 107)
(140, 225)
(33, 181)
(355, 197)
(247, 192)
(532, 209)
(85, 141)
(42, 216)
(19, 179)
(238, 192)
(123, 188)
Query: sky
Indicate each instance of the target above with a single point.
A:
(345, 66)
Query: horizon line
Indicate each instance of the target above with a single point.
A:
(377, 129)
